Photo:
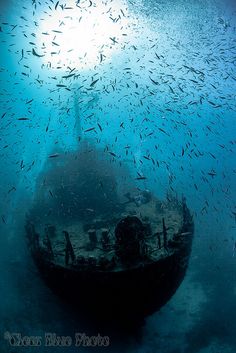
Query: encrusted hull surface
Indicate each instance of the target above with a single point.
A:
(112, 295)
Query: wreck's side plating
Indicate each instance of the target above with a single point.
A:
(128, 264)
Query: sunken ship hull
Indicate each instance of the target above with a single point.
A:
(134, 293)
(105, 245)
(131, 293)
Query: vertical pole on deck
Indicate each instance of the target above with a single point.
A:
(164, 233)
(69, 249)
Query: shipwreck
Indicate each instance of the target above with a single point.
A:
(104, 243)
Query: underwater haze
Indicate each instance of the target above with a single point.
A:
(153, 85)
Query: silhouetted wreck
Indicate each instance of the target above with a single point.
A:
(110, 252)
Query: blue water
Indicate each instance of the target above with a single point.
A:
(166, 91)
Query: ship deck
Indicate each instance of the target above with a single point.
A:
(151, 213)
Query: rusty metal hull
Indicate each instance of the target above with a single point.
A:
(112, 295)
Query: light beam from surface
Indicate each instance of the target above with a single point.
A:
(85, 35)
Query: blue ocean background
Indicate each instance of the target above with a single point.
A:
(166, 90)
